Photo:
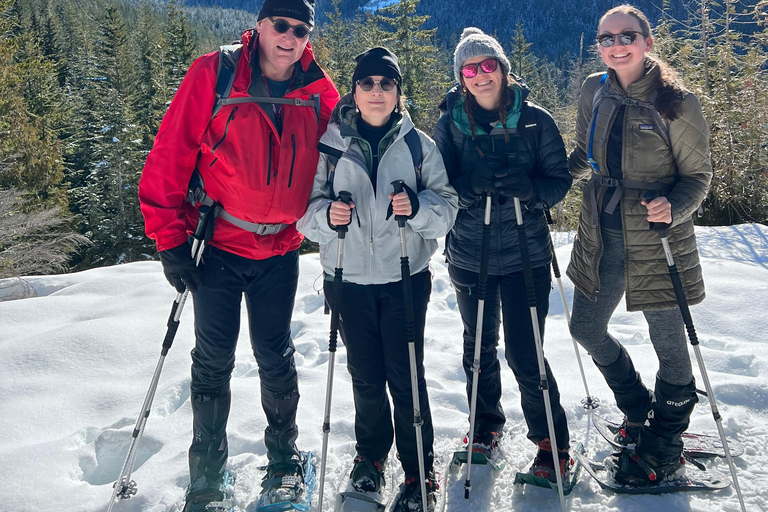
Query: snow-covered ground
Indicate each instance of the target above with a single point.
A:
(77, 355)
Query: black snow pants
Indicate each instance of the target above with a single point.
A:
(506, 298)
(372, 327)
(269, 287)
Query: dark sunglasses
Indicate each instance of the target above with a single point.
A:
(281, 27)
(488, 66)
(386, 84)
(625, 38)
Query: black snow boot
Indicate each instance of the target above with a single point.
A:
(367, 474)
(672, 408)
(632, 397)
(209, 450)
(630, 468)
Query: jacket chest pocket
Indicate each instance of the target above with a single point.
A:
(647, 154)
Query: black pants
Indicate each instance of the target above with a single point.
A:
(508, 291)
(269, 287)
(373, 330)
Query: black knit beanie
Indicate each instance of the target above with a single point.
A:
(302, 10)
(377, 61)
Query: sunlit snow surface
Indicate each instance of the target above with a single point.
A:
(78, 353)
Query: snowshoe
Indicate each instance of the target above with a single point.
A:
(485, 450)
(288, 485)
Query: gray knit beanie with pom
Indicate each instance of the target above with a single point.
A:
(474, 43)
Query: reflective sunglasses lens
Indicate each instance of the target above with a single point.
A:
(469, 71)
(627, 38)
(366, 84)
(387, 84)
(281, 26)
(489, 65)
(301, 31)
(606, 40)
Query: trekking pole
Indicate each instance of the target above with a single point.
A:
(481, 290)
(590, 403)
(345, 197)
(124, 487)
(662, 229)
(411, 334)
(543, 381)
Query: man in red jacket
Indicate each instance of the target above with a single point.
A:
(256, 159)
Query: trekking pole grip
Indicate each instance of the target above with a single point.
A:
(660, 227)
(398, 185)
(346, 198)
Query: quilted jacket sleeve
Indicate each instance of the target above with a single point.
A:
(553, 180)
(452, 159)
(577, 161)
(169, 166)
(689, 137)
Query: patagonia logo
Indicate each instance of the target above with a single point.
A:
(646, 127)
(531, 125)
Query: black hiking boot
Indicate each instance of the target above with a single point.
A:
(410, 499)
(544, 465)
(629, 468)
(367, 474)
(487, 444)
(203, 495)
(628, 434)
(284, 481)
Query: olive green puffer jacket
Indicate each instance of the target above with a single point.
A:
(685, 167)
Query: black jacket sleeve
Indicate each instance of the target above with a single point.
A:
(552, 181)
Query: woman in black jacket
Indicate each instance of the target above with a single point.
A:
(494, 142)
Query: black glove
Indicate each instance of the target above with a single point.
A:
(180, 269)
(513, 183)
(483, 178)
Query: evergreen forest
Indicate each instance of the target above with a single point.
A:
(84, 85)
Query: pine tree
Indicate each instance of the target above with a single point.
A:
(335, 48)
(148, 97)
(424, 80)
(181, 48)
(109, 198)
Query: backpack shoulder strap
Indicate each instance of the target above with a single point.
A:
(417, 154)
(229, 56)
(333, 155)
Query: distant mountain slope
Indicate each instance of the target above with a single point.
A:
(554, 27)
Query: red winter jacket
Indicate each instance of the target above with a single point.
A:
(254, 173)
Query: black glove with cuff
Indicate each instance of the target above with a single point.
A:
(517, 184)
(180, 269)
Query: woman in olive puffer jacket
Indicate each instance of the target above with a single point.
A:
(645, 141)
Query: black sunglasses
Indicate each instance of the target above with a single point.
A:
(625, 38)
(281, 27)
(367, 84)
